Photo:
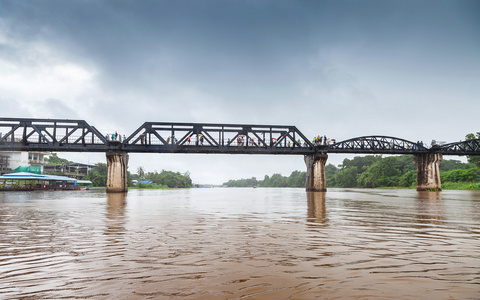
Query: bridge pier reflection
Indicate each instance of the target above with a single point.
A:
(316, 180)
(117, 163)
(317, 213)
(428, 171)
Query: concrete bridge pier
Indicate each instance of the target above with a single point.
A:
(316, 181)
(117, 163)
(428, 171)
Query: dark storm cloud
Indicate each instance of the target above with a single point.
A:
(231, 43)
(257, 52)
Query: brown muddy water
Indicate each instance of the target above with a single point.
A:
(240, 244)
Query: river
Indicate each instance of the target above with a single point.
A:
(234, 243)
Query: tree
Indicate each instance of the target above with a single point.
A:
(361, 162)
(170, 179)
(461, 175)
(347, 177)
(384, 172)
(297, 179)
(278, 180)
(53, 159)
(452, 164)
(98, 175)
(408, 179)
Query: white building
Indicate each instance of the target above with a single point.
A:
(14, 159)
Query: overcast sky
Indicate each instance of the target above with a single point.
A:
(408, 69)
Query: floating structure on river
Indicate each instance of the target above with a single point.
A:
(24, 181)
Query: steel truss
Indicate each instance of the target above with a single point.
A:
(217, 138)
(468, 147)
(377, 144)
(21, 134)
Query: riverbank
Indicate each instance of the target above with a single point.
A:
(461, 186)
(445, 186)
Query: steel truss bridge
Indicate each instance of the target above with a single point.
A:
(57, 135)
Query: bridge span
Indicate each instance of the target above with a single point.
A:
(57, 135)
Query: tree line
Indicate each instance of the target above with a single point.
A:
(370, 171)
(164, 179)
(377, 171)
(296, 179)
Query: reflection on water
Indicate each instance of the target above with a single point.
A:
(115, 215)
(240, 244)
(430, 207)
(317, 212)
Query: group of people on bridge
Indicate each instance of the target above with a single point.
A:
(323, 141)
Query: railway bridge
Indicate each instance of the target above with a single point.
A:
(64, 135)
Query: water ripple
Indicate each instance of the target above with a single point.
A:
(240, 244)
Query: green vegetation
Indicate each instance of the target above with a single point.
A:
(461, 186)
(53, 159)
(149, 186)
(162, 180)
(98, 175)
(375, 171)
(168, 179)
(296, 179)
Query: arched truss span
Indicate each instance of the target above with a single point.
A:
(377, 144)
(468, 147)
